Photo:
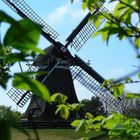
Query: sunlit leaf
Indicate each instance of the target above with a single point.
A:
(118, 90)
(75, 106)
(132, 95)
(79, 124)
(23, 36)
(6, 18)
(59, 98)
(89, 115)
(23, 81)
(137, 42)
(63, 110)
(97, 20)
(98, 118)
(84, 5)
(138, 75)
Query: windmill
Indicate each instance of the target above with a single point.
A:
(61, 66)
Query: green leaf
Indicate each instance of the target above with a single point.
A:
(75, 106)
(59, 98)
(137, 42)
(118, 90)
(97, 19)
(4, 77)
(22, 81)
(14, 57)
(133, 95)
(104, 32)
(108, 83)
(128, 80)
(138, 75)
(6, 18)
(98, 118)
(89, 115)
(75, 123)
(79, 124)
(23, 36)
(84, 5)
(111, 121)
(63, 110)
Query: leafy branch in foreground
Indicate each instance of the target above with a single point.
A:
(64, 109)
(19, 42)
(119, 23)
(8, 119)
(123, 23)
(115, 126)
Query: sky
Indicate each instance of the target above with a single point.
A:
(111, 61)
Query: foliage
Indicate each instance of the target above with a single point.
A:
(93, 106)
(49, 134)
(115, 125)
(64, 109)
(123, 23)
(20, 42)
(8, 119)
(133, 109)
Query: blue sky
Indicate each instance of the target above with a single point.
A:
(111, 61)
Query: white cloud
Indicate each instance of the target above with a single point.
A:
(66, 12)
(59, 14)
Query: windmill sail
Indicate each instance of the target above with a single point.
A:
(84, 30)
(95, 86)
(24, 10)
(89, 78)
(19, 96)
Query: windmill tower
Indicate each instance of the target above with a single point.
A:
(61, 67)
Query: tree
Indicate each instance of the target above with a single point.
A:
(8, 119)
(121, 24)
(93, 106)
(133, 109)
(19, 43)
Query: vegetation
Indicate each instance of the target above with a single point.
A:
(48, 134)
(121, 24)
(20, 42)
(93, 106)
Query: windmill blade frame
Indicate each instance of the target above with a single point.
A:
(90, 79)
(25, 11)
(84, 30)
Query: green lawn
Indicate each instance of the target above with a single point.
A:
(49, 134)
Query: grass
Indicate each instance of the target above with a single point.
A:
(49, 134)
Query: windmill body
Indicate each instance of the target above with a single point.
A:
(61, 68)
(59, 80)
